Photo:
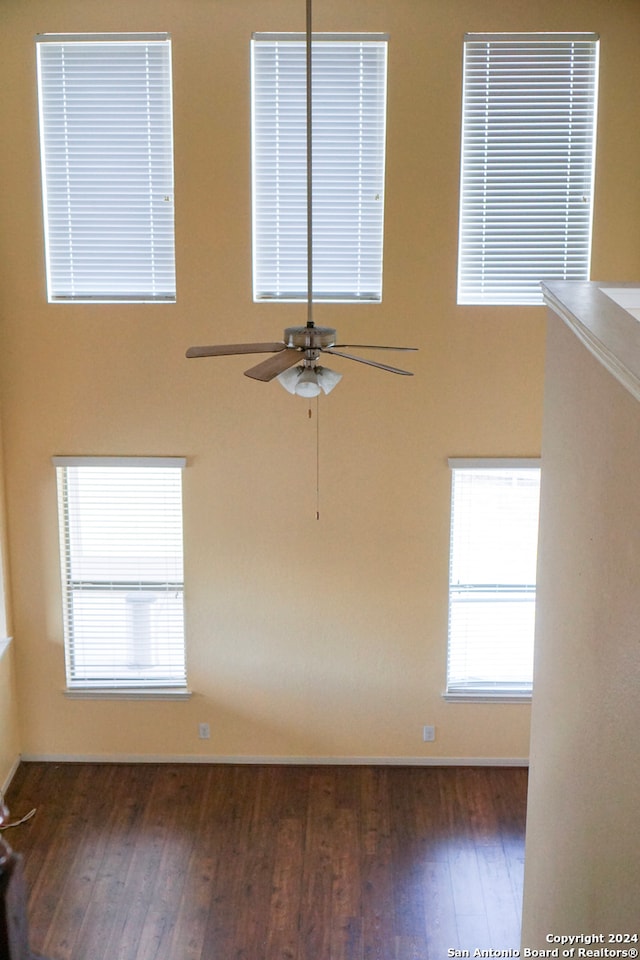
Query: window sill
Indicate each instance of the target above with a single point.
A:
(130, 693)
(486, 697)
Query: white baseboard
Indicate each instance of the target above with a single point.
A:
(281, 760)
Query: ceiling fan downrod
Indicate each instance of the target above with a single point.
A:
(309, 130)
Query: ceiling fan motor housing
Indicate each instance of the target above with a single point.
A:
(310, 338)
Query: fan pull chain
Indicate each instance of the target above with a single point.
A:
(317, 458)
(310, 415)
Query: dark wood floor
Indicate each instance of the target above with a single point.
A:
(233, 862)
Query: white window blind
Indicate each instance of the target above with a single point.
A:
(349, 116)
(492, 586)
(107, 166)
(528, 145)
(122, 571)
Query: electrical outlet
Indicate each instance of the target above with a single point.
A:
(203, 731)
(428, 734)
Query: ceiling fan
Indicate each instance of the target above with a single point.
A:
(295, 363)
(301, 348)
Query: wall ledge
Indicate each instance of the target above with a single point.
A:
(609, 331)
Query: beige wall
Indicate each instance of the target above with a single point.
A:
(582, 871)
(9, 733)
(305, 638)
(9, 736)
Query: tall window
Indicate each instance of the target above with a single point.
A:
(122, 576)
(349, 116)
(107, 166)
(492, 585)
(528, 144)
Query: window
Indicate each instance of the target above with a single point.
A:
(528, 144)
(492, 584)
(349, 111)
(107, 166)
(122, 577)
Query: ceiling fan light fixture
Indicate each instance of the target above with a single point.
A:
(289, 378)
(328, 379)
(301, 381)
(307, 384)
(309, 381)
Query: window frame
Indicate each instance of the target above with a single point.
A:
(512, 103)
(171, 536)
(484, 690)
(107, 176)
(279, 237)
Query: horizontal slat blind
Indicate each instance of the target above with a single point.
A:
(349, 115)
(107, 167)
(494, 535)
(122, 572)
(528, 142)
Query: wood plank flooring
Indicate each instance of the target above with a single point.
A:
(235, 862)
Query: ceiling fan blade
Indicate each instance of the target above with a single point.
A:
(231, 349)
(272, 366)
(370, 363)
(369, 346)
